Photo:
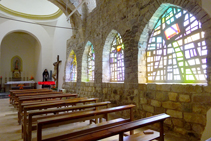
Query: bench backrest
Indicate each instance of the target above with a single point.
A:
(37, 93)
(29, 91)
(56, 120)
(32, 113)
(93, 128)
(46, 97)
(59, 103)
(118, 129)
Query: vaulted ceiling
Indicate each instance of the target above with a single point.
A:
(46, 9)
(31, 9)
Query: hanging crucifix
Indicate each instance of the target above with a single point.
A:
(56, 71)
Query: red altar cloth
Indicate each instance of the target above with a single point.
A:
(46, 83)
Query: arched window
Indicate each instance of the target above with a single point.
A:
(176, 50)
(71, 68)
(91, 62)
(117, 68)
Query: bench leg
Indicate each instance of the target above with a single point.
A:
(39, 132)
(29, 134)
(161, 131)
(100, 120)
(19, 113)
(131, 119)
(121, 136)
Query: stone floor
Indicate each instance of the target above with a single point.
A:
(11, 131)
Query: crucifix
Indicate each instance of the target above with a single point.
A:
(56, 71)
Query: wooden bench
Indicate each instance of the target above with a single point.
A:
(93, 127)
(29, 123)
(51, 104)
(17, 96)
(81, 116)
(92, 134)
(41, 97)
(13, 92)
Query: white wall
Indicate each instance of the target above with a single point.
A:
(22, 45)
(50, 43)
(59, 46)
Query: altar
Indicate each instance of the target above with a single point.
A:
(16, 85)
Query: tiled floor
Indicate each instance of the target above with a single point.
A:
(11, 131)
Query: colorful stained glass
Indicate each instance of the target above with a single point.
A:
(172, 31)
(73, 66)
(176, 50)
(117, 59)
(91, 62)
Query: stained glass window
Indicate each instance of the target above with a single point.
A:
(73, 66)
(91, 63)
(177, 50)
(117, 59)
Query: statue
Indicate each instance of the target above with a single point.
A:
(16, 71)
(16, 67)
(45, 75)
(55, 71)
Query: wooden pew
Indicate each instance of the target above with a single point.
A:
(13, 92)
(92, 127)
(31, 98)
(27, 133)
(17, 96)
(51, 104)
(91, 134)
(81, 116)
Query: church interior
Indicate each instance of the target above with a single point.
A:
(153, 54)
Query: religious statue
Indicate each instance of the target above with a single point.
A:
(16, 71)
(55, 71)
(45, 75)
(16, 66)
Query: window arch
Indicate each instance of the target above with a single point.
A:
(117, 68)
(176, 50)
(71, 68)
(90, 62)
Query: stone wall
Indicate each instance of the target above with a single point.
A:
(187, 104)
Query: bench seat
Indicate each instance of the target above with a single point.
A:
(88, 115)
(92, 127)
(120, 129)
(143, 137)
(31, 122)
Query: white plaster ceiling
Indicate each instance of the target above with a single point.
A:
(33, 7)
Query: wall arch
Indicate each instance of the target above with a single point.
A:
(105, 56)
(71, 67)
(84, 68)
(39, 33)
(149, 27)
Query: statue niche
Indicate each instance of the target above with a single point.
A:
(16, 68)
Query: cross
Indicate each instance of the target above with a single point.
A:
(56, 68)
